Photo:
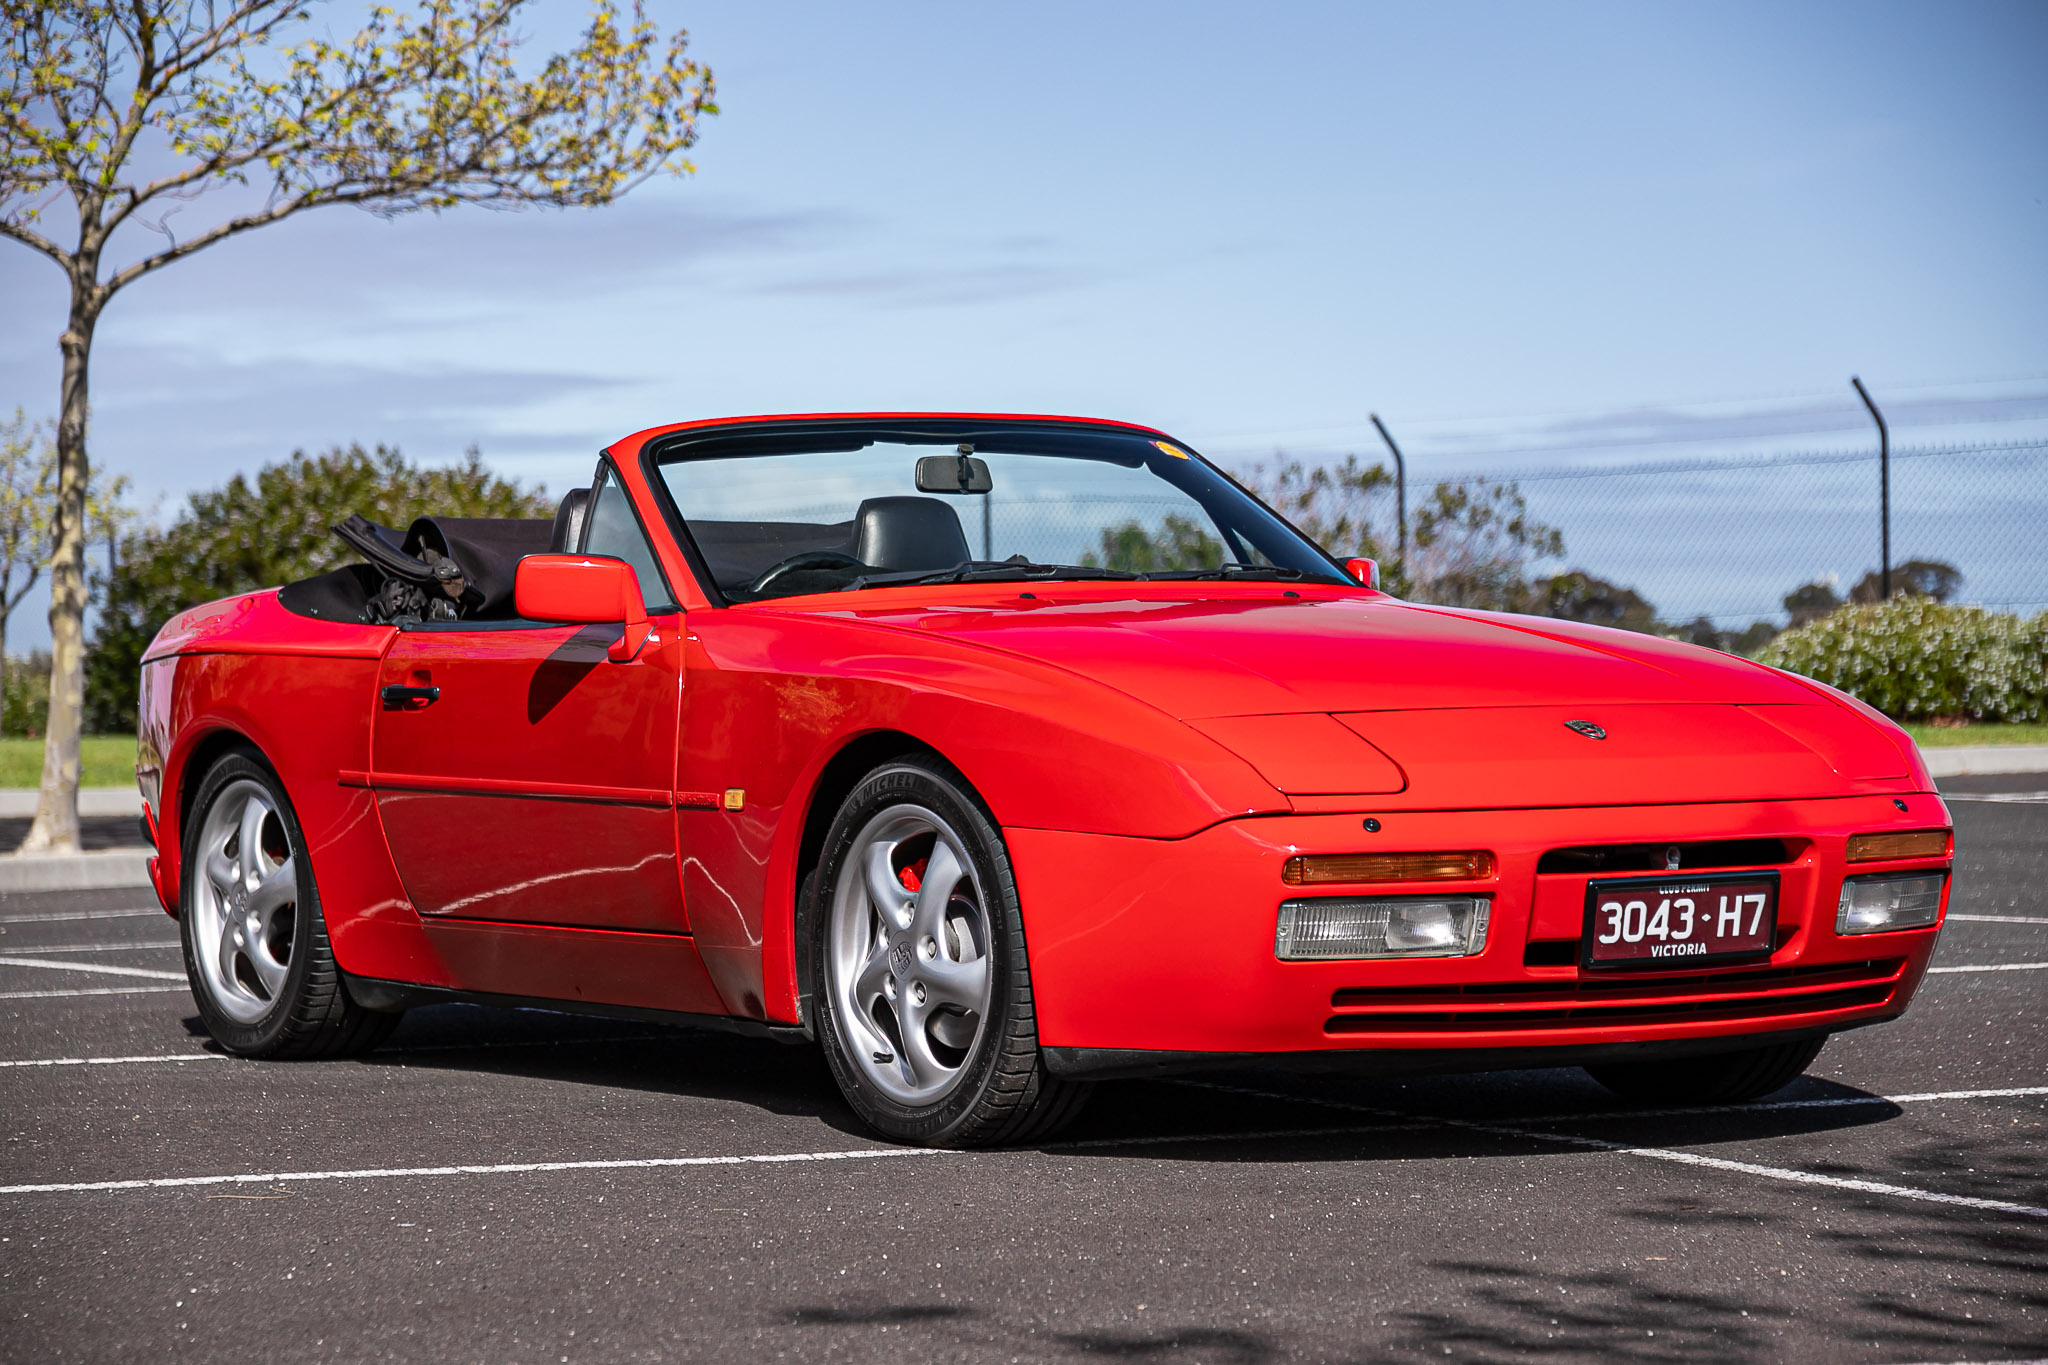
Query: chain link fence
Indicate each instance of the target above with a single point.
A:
(1724, 542)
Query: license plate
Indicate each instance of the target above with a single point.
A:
(1678, 921)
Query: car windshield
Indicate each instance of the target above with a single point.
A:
(774, 518)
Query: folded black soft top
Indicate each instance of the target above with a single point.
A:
(485, 551)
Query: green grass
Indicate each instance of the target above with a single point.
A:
(103, 761)
(1945, 736)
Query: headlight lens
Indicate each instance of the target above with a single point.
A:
(1872, 905)
(1337, 927)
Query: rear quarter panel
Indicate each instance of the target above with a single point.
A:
(300, 692)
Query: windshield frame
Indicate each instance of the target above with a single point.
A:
(727, 440)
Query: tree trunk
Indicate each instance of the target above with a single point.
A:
(56, 824)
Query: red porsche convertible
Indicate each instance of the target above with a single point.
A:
(1000, 755)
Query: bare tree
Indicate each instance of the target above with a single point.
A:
(116, 114)
(27, 468)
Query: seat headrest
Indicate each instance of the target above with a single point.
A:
(569, 522)
(908, 535)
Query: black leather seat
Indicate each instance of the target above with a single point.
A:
(568, 532)
(908, 535)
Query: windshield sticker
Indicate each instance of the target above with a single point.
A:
(1171, 449)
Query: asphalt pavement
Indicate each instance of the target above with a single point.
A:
(520, 1186)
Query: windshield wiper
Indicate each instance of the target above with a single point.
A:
(1016, 569)
(1258, 572)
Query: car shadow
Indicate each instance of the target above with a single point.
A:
(1239, 1114)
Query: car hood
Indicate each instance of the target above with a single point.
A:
(1349, 693)
(1263, 655)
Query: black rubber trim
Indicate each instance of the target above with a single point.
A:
(1095, 1063)
(375, 993)
(463, 627)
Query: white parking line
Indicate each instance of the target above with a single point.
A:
(380, 1052)
(2001, 919)
(503, 1168)
(61, 915)
(1657, 1154)
(1994, 967)
(1398, 1122)
(2025, 798)
(121, 1061)
(94, 947)
(102, 990)
(97, 967)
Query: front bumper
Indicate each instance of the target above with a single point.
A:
(1144, 946)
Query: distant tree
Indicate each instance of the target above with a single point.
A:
(1578, 596)
(127, 113)
(1811, 601)
(1179, 543)
(1752, 638)
(247, 535)
(1702, 631)
(1473, 543)
(27, 461)
(28, 474)
(1342, 507)
(1914, 578)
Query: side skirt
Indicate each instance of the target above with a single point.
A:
(392, 997)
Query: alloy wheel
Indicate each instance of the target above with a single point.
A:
(907, 954)
(246, 909)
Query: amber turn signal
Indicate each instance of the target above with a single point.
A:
(1919, 843)
(1319, 869)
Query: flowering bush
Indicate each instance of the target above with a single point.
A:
(1914, 658)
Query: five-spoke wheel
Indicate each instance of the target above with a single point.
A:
(255, 941)
(908, 954)
(244, 914)
(922, 988)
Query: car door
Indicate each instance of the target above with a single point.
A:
(523, 775)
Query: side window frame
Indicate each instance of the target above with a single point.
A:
(667, 602)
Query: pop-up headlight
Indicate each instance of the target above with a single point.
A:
(1336, 927)
(1872, 905)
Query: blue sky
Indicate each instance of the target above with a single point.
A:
(1520, 233)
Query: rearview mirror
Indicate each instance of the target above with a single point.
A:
(585, 590)
(953, 474)
(1366, 571)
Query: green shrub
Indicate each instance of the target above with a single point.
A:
(25, 696)
(1914, 658)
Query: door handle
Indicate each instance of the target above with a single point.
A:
(398, 698)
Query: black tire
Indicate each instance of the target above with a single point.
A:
(1002, 1093)
(308, 1015)
(1721, 1078)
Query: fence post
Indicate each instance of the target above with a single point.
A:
(1400, 488)
(1884, 491)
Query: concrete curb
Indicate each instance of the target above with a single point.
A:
(1964, 760)
(97, 871)
(19, 803)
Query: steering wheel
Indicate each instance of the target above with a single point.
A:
(809, 559)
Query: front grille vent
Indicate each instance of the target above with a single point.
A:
(1599, 1001)
(1605, 859)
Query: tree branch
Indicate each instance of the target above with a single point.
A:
(134, 272)
(29, 237)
